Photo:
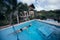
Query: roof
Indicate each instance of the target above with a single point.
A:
(32, 6)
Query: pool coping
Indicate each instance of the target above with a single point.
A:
(52, 23)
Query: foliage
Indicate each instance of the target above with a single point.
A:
(7, 13)
(52, 14)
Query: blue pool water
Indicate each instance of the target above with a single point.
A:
(37, 31)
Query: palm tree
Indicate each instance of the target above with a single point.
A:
(11, 9)
(16, 12)
(21, 8)
(3, 10)
(7, 8)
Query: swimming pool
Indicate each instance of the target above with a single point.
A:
(37, 31)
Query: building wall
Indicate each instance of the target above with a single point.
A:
(31, 13)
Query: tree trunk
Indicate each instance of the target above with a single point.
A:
(17, 16)
(11, 18)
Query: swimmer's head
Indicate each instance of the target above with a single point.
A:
(21, 30)
(30, 25)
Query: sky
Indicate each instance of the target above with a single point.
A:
(43, 4)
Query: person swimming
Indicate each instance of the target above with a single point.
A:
(23, 28)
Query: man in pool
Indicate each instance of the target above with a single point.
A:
(23, 29)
